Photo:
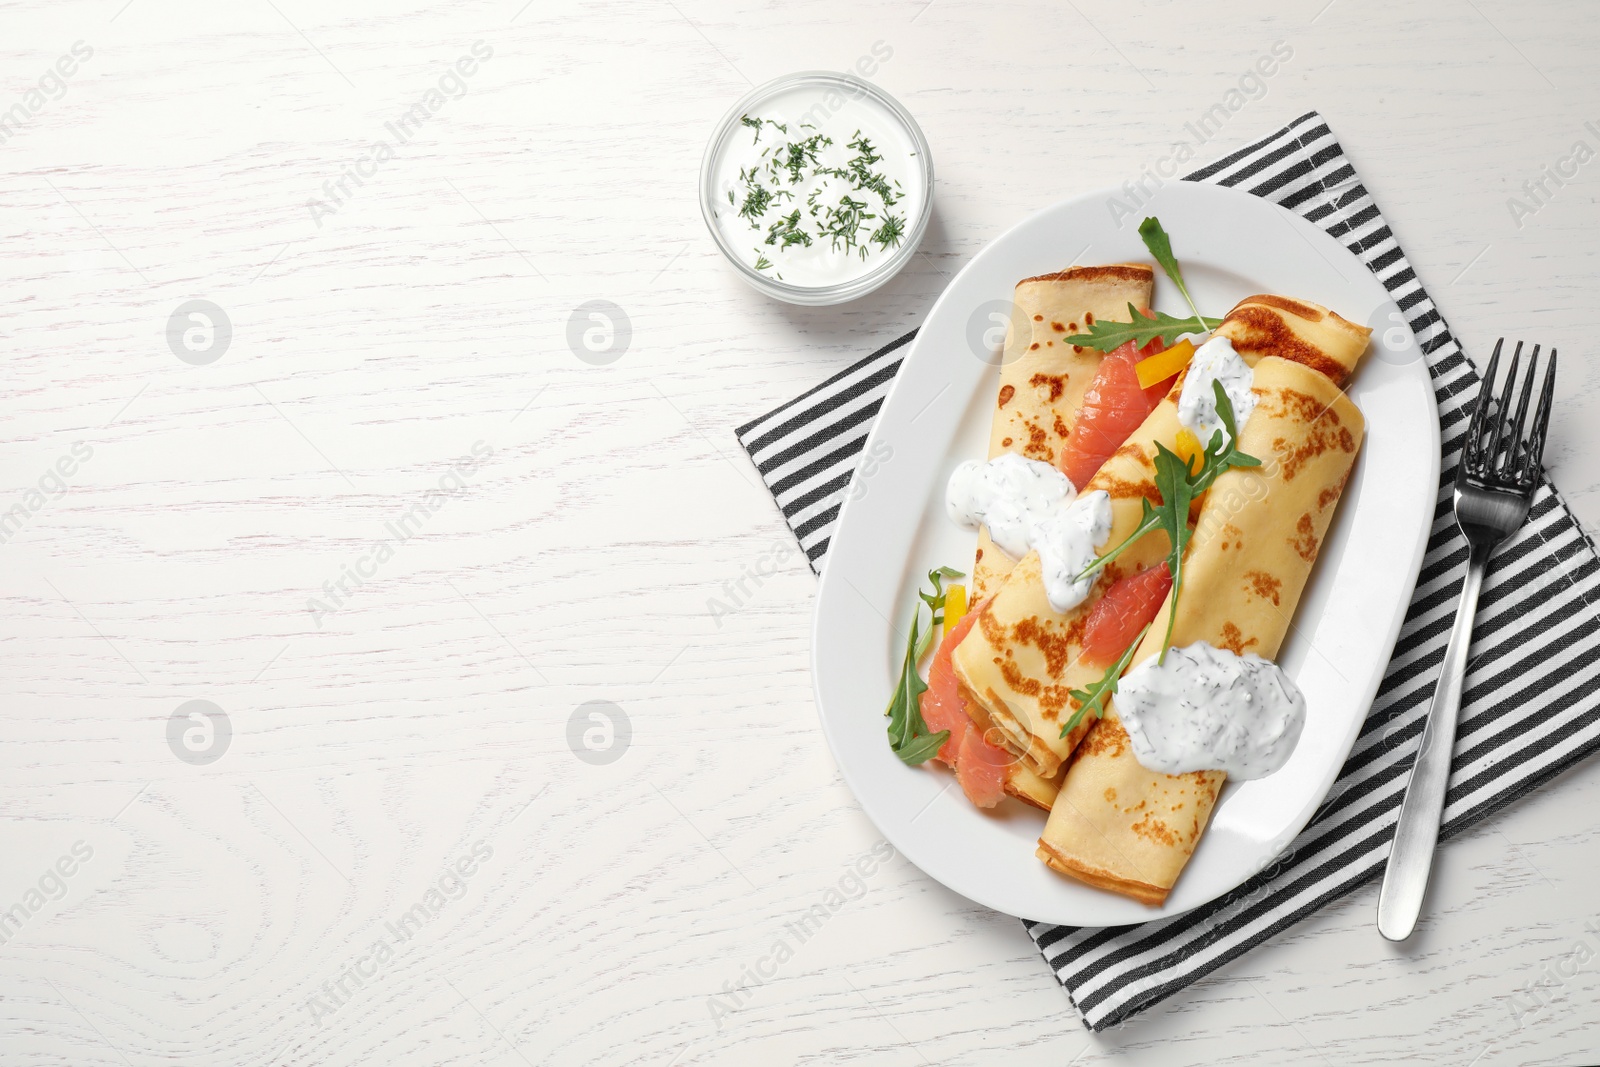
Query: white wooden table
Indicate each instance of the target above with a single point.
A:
(296, 883)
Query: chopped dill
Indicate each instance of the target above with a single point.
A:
(802, 153)
(888, 235)
(786, 231)
(756, 200)
(843, 223)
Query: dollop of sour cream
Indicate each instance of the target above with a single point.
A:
(1215, 361)
(1207, 709)
(1008, 494)
(1067, 543)
(1027, 505)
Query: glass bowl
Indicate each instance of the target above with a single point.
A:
(827, 85)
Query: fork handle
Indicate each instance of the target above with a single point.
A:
(1405, 879)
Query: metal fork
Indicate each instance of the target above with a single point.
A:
(1495, 483)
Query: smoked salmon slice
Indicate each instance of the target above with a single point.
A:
(981, 769)
(1130, 603)
(1113, 407)
(979, 766)
(942, 705)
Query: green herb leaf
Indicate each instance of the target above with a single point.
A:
(1091, 701)
(844, 222)
(888, 235)
(787, 230)
(935, 601)
(756, 200)
(908, 733)
(1174, 481)
(904, 710)
(916, 753)
(1160, 246)
(1141, 329)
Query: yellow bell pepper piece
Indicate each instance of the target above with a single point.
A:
(1188, 447)
(1164, 365)
(955, 606)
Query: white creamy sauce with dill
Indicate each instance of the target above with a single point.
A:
(816, 188)
(1067, 542)
(1207, 709)
(1027, 505)
(1215, 361)
(1008, 494)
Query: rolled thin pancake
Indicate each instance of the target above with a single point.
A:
(1116, 825)
(1042, 382)
(1043, 379)
(1294, 329)
(1021, 660)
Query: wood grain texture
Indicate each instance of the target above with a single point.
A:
(430, 712)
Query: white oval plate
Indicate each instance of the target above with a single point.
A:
(893, 530)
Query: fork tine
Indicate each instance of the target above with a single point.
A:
(1472, 443)
(1492, 463)
(1541, 419)
(1512, 466)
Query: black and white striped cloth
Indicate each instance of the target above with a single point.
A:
(1531, 706)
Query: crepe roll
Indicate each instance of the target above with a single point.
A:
(1115, 824)
(1043, 379)
(1296, 330)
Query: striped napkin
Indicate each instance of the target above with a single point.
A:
(1531, 706)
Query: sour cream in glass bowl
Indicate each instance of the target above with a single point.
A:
(817, 187)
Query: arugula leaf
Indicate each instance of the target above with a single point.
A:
(1092, 700)
(904, 710)
(923, 749)
(1160, 246)
(935, 602)
(908, 732)
(1141, 329)
(1174, 481)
